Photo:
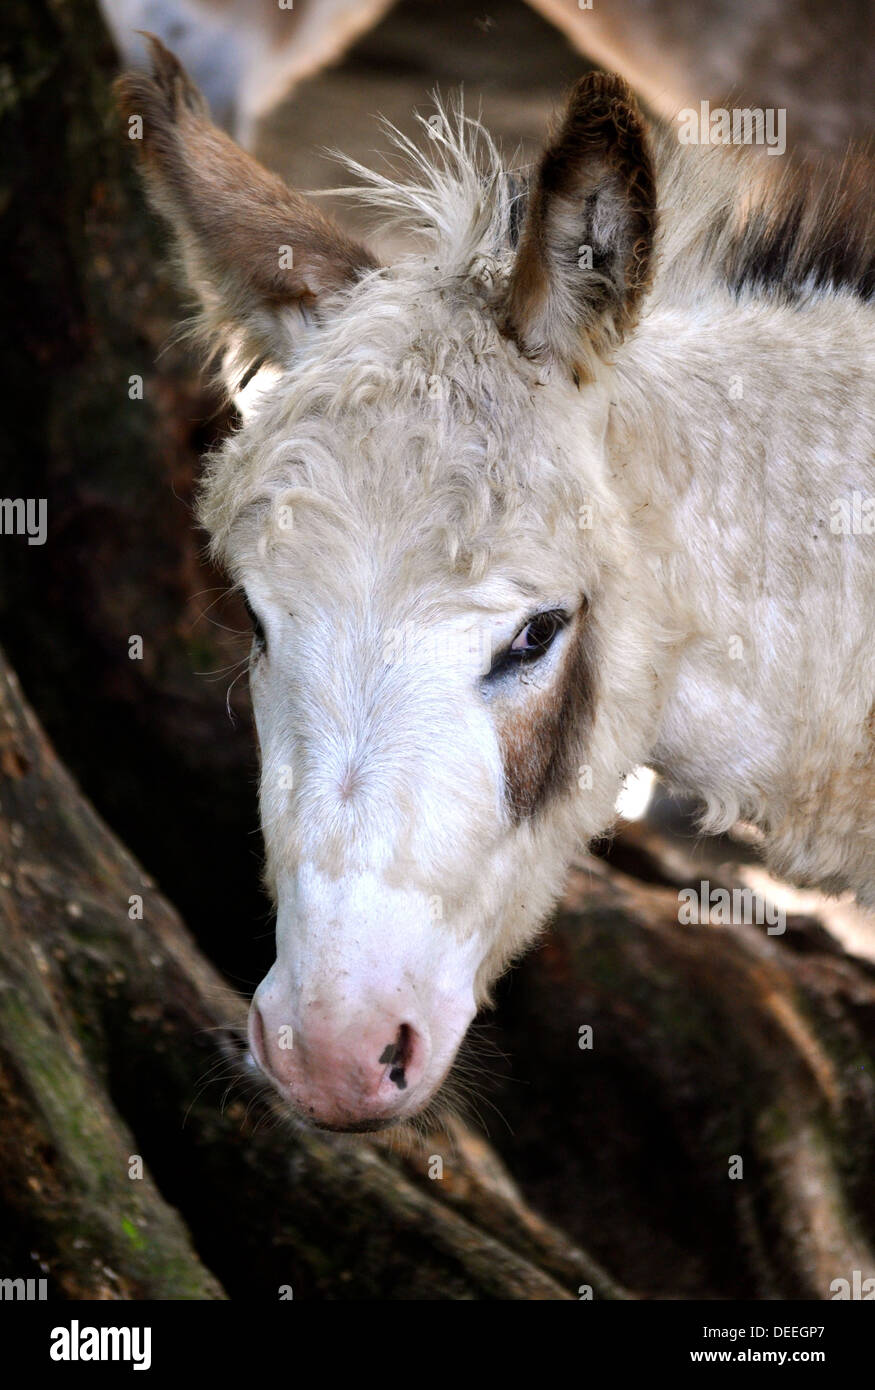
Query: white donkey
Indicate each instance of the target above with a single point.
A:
(588, 483)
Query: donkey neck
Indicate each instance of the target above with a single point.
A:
(733, 427)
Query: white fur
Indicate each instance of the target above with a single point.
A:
(408, 470)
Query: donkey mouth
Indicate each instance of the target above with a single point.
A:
(355, 1126)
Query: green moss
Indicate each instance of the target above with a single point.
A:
(137, 1239)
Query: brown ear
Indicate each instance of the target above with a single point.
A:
(258, 255)
(586, 248)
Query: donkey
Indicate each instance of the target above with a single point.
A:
(586, 482)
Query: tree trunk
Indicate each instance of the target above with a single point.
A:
(90, 317)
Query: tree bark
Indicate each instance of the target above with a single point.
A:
(107, 418)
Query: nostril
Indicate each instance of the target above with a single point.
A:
(398, 1055)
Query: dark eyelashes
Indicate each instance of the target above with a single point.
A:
(542, 629)
(257, 628)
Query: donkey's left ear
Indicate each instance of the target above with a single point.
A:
(259, 256)
(586, 248)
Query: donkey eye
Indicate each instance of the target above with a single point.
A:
(257, 628)
(536, 636)
(531, 642)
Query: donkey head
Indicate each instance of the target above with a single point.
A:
(454, 661)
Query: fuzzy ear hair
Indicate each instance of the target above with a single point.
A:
(258, 255)
(586, 247)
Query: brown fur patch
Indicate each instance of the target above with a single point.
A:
(598, 175)
(541, 743)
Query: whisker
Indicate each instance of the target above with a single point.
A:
(228, 695)
(221, 670)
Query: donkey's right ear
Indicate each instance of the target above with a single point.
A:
(259, 256)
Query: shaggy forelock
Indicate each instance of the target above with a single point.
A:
(408, 405)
